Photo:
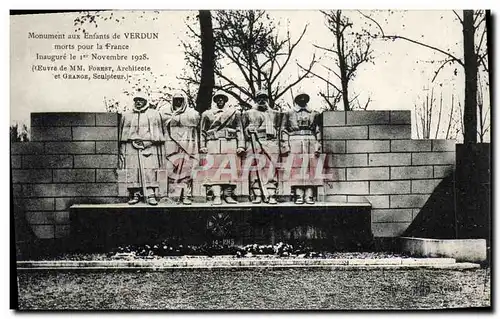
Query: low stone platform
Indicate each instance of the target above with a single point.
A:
(468, 250)
(230, 262)
(337, 225)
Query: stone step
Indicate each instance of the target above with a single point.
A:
(209, 206)
(232, 262)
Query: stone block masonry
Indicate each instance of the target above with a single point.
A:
(383, 165)
(72, 159)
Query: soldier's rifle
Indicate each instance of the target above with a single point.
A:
(141, 173)
(261, 187)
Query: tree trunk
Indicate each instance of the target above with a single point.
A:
(471, 67)
(207, 80)
(345, 91)
(342, 64)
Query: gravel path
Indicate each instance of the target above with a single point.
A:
(255, 289)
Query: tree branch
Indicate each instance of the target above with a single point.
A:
(192, 30)
(416, 122)
(482, 61)
(373, 20)
(357, 59)
(336, 99)
(440, 68)
(290, 51)
(452, 57)
(439, 115)
(479, 14)
(300, 78)
(451, 116)
(481, 42)
(367, 103)
(320, 77)
(458, 17)
(325, 49)
(228, 53)
(332, 71)
(354, 98)
(240, 88)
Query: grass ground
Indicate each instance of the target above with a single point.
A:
(312, 289)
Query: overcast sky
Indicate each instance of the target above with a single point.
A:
(396, 80)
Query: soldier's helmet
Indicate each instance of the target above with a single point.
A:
(302, 96)
(220, 94)
(140, 96)
(261, 93)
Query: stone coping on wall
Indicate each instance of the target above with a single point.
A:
(230, 262)
(225, 206)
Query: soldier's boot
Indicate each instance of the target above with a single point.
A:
(272, 196)
(309, 195)
(228, 195)
(257, 196)
(299, 195)
(186, 194)
(135, 199)
(151, 197)
(216, 190)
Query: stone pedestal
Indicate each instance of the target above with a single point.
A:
(322, 225)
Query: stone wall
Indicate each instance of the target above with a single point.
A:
(72, 158)
(473, 187)
(372, 157)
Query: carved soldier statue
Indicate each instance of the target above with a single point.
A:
(302, 135)
(181, 130)
(221, 134)
(261, 125)
(141, 142)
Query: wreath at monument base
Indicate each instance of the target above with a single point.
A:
(220, 224)
(165, 249)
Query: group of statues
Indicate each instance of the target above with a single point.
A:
(150, 139)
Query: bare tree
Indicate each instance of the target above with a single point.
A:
(424, 115)
(483, 114)
(248, 41)
(348, 51)
(475, 54)
(429, 120)
(331, 95)
(450, 118)
(19, 133)
(146, 83)
(91, 19)
(207, 64)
